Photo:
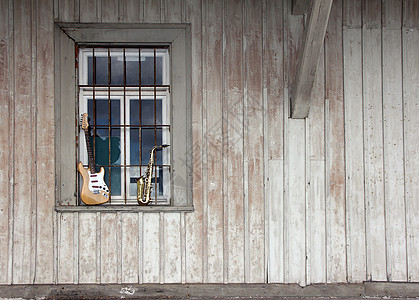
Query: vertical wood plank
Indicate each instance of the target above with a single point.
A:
(354, 155)
(109, 248)
(274, 66)
(131, 11)
(174, 11)
(88, 249)
(89, 11)
(152, 11)
(24, 168)
(352, 16)
(130, 244)
(233, 77)
(194, 221)
(411, 138)
(45, 142)
(255, 152)
(393, 143)
(67, 11)
(65, 246)
(411, 14)
(110, 11)
(151, 248)
(214, 141)
(296, 207)
(294, 178)
(373, 143)
(316, 197)
(6, 107)
(172, 252)
(275, 217)
(335, 157)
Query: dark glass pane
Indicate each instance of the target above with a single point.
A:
(102, 146)
(115, 112)
(159, 180)
(159, 111)
(115, 186)
(115, 146)
(134, 146)
(90, 111)
(90, 70)
(132, 69)
(102, 112)
(101, 70)
(134, 112)
(147, 112)
(159, 152)
(147, 70)
(147, 142)
(117, 69)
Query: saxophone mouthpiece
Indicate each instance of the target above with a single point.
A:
(165, 145)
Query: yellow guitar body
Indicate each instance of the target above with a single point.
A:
(94, 190)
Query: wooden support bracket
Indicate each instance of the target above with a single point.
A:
(318, 18)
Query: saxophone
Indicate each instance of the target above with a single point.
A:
(144, 182)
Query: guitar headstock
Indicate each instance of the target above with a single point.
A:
(85, 121)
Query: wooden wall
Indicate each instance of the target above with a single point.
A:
(332, 198)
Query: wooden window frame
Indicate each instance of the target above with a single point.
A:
(178, 38)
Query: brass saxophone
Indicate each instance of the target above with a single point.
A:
(144, 182)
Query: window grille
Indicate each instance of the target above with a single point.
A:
(126, 93)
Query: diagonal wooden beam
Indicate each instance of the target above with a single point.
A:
(318, 18)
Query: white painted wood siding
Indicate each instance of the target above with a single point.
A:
(332, 198)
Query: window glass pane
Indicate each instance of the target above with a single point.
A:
(101, 67)
(115, 112)
(147, 66)
(134, 146)
(147, 112)
(147, 142)
(115, 185)
(134, 112)
(115, 146)
(117, 67)
(101, 145)
(132, 67)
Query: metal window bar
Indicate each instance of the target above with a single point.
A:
(109, 126)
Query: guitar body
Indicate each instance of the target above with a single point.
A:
(94, 190)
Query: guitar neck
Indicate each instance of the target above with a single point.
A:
(89, 151)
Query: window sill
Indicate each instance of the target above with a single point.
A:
(124, 208)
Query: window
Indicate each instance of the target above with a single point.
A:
(134, 83)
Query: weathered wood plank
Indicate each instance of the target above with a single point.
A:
(352, 14)
(130, 243)
(254, 140)
(67, 11)
(354, 155)
(392, 14)
(295, 208)
(89, 247)
(131, 11)
(335, 141)
(152, 11)
(214, 141)
(110, 11)
(151, 248)
(172, 252)
(316, 197)
(174, 11)
(275, 192)
(45, 142)
(6, 108)
(393, 144)
(373, 143)
(89, 11)
(411, 153)
(233, 68)
(109, 248)
(300, 7)
(194, 221)
(411, 14)
(24, 133)
(274, 66)
(65, 248)
(309, 57)
(371, 14)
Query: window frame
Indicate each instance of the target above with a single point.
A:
(178, 38)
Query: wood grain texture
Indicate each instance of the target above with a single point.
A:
(6, 121)
(335, 141)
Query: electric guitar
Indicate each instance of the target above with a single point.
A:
(94, 190)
